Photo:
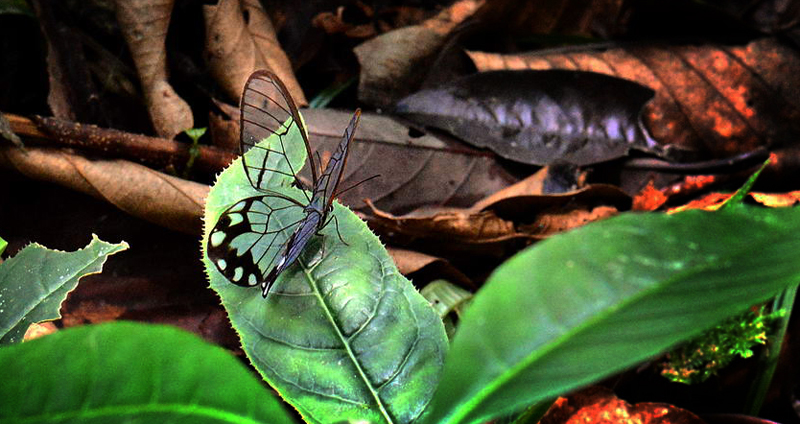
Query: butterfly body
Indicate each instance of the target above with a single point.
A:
(249, 239)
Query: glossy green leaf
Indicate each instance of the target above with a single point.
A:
(129, 373)
(584, 305)
(342, 335)
(35, 282)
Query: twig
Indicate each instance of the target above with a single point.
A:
(114, 143)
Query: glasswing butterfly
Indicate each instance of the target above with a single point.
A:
(246, 244)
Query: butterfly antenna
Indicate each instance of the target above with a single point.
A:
(338, 193)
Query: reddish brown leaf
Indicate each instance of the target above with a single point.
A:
(449, 230)
(599, 405)
(719, 100)
(649, 199)
(558, 221)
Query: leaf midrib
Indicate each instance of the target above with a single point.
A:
(344, 340)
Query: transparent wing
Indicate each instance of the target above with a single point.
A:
(250, 237)
(268, 109)
(326, 186)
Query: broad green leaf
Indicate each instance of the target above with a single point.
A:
(35, 282)
(342, 335)
(584, 305)
(125, 372)
(3, 245)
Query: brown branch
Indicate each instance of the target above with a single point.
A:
(114, 143)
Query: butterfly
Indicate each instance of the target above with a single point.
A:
(248, 244)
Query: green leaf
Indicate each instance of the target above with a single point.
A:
(342, 335)
(35, 282)
(578, 307)
(449, 301)
(3, 245)
(737, 199)
(129, 373)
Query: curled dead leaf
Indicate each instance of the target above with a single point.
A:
(139, 191)
(390, 63)
(240, 39)
(412, 262)
(37, 330)
(449, 230)
(144, 25)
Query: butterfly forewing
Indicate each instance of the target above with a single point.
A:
(326, 187)
(267, 110)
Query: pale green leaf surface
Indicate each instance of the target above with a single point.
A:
(584, 305)
(35, 282)
(126, 372)
(342, 335)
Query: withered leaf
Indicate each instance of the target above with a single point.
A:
(144, 24)
(450, 230)
(413, 171)
(140, 191)
(412, 262)
(390, 62)
(240, 39)
(538, 117)
(715, 99)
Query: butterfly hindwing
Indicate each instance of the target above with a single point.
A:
(250, 236)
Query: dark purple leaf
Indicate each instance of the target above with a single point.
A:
(539, 117)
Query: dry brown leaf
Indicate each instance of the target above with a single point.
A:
(409, 261)
(558, 221)
(449, 230)
(523, 207)
(144, 25)
(530, 186)
(413, 170)
(777, 200)
(139, 191)
(391, 63)
(37, 330)
(240, 39)
(719, 100)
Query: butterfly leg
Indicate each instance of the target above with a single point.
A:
(336, 224)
